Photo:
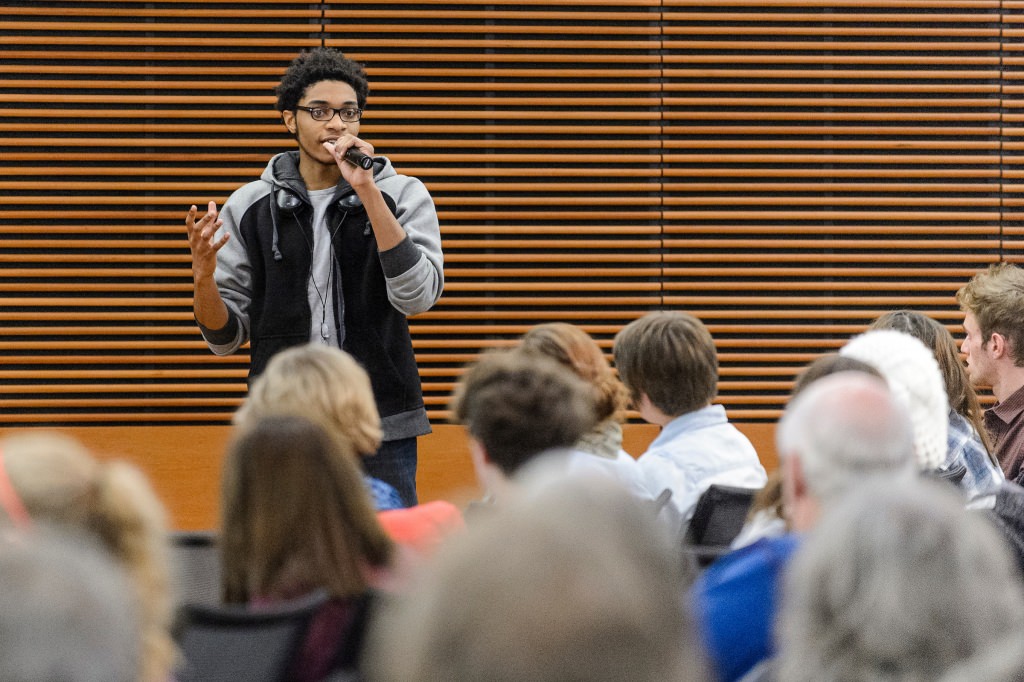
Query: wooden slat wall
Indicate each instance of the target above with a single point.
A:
(116, 117)
(826, 162)
(538, 131)
(1013, 121)
(785, 169)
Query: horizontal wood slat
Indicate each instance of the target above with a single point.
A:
(785, 169)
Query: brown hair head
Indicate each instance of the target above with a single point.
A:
(996, 299)
(830, 363)
(935, 336)
(519, 405)
(671, 358)
(574, 348)
(296, 515)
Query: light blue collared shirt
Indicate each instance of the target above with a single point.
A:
(696, 450)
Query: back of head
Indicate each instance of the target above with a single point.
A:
(670, 357)
(66, 612)
(518, 405)
(943, 346)
(296, 515)
(830, 363)
(915, 380)
(53, 475)
(322, 383)
(574, 348)
(844, 428)
(897, 582)
(61, 484)
(571, 582)
(996, 299)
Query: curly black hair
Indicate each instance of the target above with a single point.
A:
(320, 64)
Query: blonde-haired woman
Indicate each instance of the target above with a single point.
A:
(51, 478)
(601, 448)
(327, 385)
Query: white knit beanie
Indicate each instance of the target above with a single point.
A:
(916, 382)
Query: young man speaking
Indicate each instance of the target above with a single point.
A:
(330, 244)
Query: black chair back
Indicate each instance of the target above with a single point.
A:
(717, 519)
(233, 642)
(195, 567)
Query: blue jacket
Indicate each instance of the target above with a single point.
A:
(735, 601)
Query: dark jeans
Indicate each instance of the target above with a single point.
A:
(395, 464)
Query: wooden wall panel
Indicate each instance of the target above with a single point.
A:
(548, 187)
(825, 163)
(115, 117)
(1012, 139)
(184, 462)
(785, 169)
(537, 130)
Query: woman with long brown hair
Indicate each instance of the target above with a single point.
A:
(296, 519)
(966, 439)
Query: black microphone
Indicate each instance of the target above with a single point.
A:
(357, 158)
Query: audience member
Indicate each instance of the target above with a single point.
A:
(326, 384)
(516, 407)
(67, 612)
(296, 518)
(896, 582)
(967, 445)
(669, 365)
(571, 581)
(601, 447)
(843, 430)
(767, 516)
(914, 377)
(993, 306)
(422, 528)
(51, 478)
(910, 370)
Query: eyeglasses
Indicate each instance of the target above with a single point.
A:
(349, 115)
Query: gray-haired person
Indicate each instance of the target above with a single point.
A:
(66, 612)
(897, 582)
(843, 431)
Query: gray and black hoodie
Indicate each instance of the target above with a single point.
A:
(263, 273)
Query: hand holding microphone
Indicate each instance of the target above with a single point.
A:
(354, 155)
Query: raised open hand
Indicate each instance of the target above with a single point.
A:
(202, 241)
